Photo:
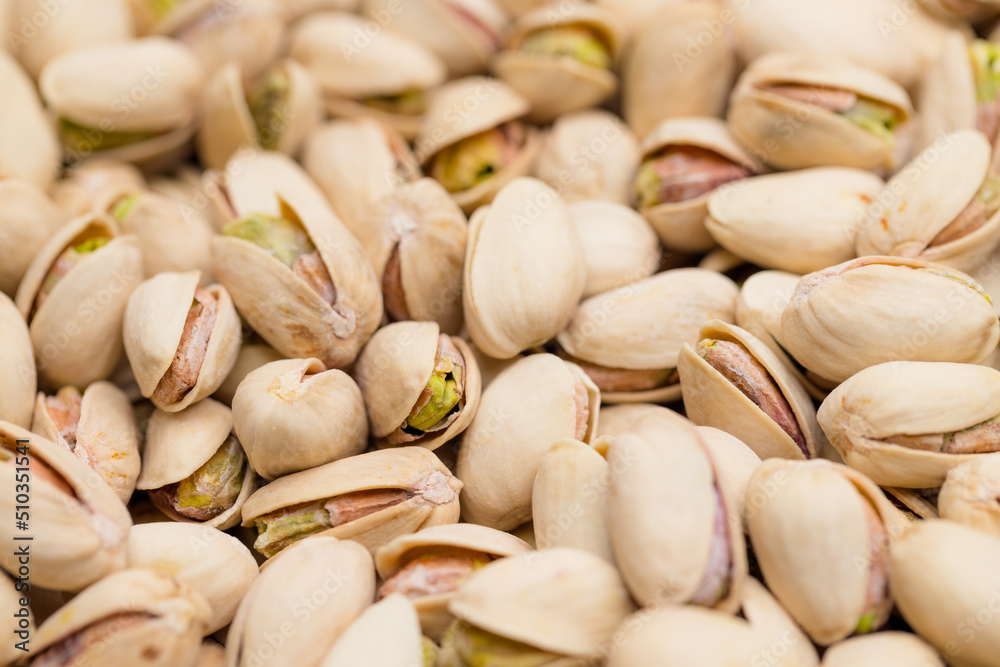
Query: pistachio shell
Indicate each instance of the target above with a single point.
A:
(971, 494)
(96, 184)
(27, 219)
(780, 640)
(619, 246)
(526, 235)
(734, 462)
(619, 419)
(17, 364)
(170, 238)
(899, 648)
(251, 357)
(947, 99)
(207, 560)
(288, 422)
(683, 635)
(20, 621)
(29, 148)
(211, 654)
(387, 634)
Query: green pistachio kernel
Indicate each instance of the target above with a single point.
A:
(444, 397)
(866, 624)
(70, 258)
(875, 117)
(85, 140)
(282, 238)
(214, 487)
(409, 103)
(268, 102)
(647, 185)
(430, 652)
(479, 648)
(576, 42)
(985, 57)
(123, 207)
(469, 162)
(161, 8)
(277, 531)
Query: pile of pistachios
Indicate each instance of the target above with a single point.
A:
(500, 333)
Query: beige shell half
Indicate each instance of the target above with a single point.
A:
(96, 184)
(172, 237)
(90, 304)
(527, 236)
(907, 398)
(387, 634)
(971, 494)
(211, 654)
(947, 97)
(287, 422)
(684, 635)
(27, 219)
(734, 463)
(17, 364)
(712, 400)
(619, 419)
(29, 148)
(619, 246)
(681, 225)
(903, 649)
(154, 324)
(251, 357)
(778, 636)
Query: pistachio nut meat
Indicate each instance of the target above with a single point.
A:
(78, 524)
(390, 80)
(80, 283)
(17, 364)
(30, 146)
(98, 426)
(133, 617)
(386, 634)
(899, 648)
(562, 62)
(181, 340)
(429, 566)
(971, 494)
(555, 607)
(628, 340)
(421, 387)
(844, 114)
(833, 589)
(27, 219)
(342, 570)
(907, 424)
(876, 309)
(528, 406)
(295, 414)
(370, 498)
(619, 246)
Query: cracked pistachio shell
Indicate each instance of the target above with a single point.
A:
(27, 219)
(289, 314)
(760, 218)
(77, 331)
(78, 523)
(229, 125)
(526, 235)
(683, 635)
(251, 357)
(876, 309)
(664, 555)
(96, 184)
(527, 407)
(561, 600)
(386, 634)
(681, 225)
(558, 85)
(897, 648)
(106, 434)
(589, 154)
(734, 462)
(17, 629)
(29, 148)
(661, 81)
(154, 326)
(173, 619)
(354, 187)
(282, 597)
(288, 422)
(759, 119)
(215, 564)
(925, 197)
(971, 494)
(17, 366)
(947, 97)
(619, 246)
(710, 399)
(796, 508)
(644, 326)
(464, 34)
(467, 107)
(434, 499)
(469, 537)
(907, 398)
(393, 371)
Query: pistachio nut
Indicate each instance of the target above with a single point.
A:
(971, 494)
(389, 80)
(898, 648)
(386, 634)
(421, 387)
(133, 617)
(342, 570)
(562, 61)
(254, 353)
(181, 340)
(698, 556)
(27, 219)
(876, 309)
(780, 640)
(685, 160)
(473, 140)
(96, 185)
(619, 419)
(526, 235)
(555, 607)
(942, 576)
(734, 462)
(628, 340)
(296, 9)
(19, 625)
(17, 365)
(371, 498)
(845, 115)
(98, 426)
(683, 635)
(211, 654)
(202, 558)
(78, 524)
(76, 323)
(906, 424)
(194, 467)
(29, 147)
(294, 414)
(760, 218)
(85, 88)
(274, 111)
(833, 589)
(619, 246)
(164, 16)
(732, 381)
(430, 565)
(528, 406)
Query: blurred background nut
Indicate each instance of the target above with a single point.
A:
(17, 364)
(619, 247)
(96, 184)
(386, 634)
(971, 494)
(899, 648)
(29, 147)
(27, 219)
